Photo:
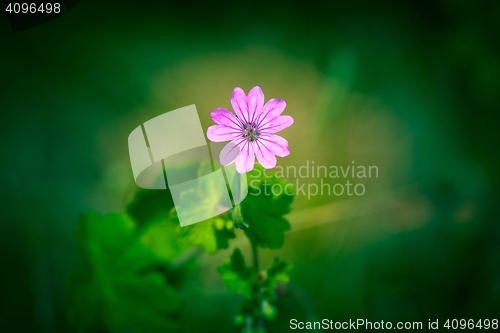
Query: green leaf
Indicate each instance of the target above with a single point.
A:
(162, 240)
(277, 273)
(150, 206)
(237, 276)
(263, 211)
(122, 287)
(213, 234)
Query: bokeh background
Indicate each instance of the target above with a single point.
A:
(412, 87)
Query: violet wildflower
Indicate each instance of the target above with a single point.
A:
(252, 130)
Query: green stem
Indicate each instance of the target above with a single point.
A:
(260, 323)
(260, 319)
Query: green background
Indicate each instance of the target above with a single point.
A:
(412, 87)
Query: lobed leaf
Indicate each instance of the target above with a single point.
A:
(237, 276)
(263, 211)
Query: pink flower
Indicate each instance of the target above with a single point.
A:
(252, 130)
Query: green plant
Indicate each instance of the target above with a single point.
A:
(260, 215)
(132, 259)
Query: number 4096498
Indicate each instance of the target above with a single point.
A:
(24, 8)
(471, 324)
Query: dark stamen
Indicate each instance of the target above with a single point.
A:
(251, 131)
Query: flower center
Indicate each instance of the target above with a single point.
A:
(251, 132)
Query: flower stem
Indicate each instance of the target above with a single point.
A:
(260, 319)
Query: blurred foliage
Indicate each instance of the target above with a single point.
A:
(151, 210)
(124, 286)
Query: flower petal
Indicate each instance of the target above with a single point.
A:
(246, 159)
(276, 125)
(273, 108)
(225, 117)
(230, 152)
(264, 155)
(255, 103)
(239, 103)
(275, 144)
(219, 133)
